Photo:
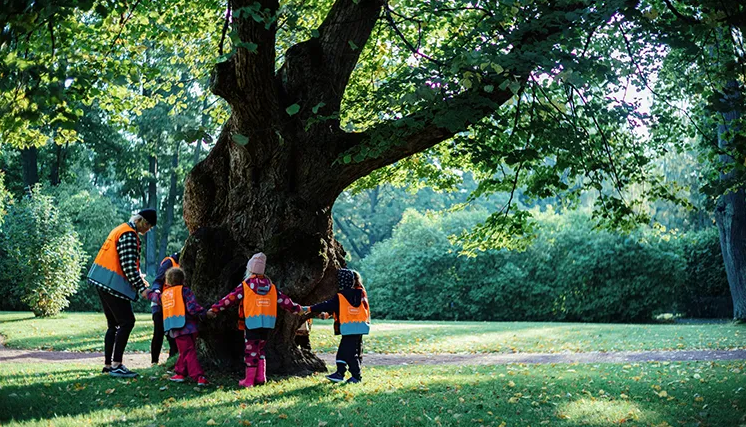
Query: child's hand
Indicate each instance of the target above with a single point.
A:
(324, 316)
(211, 314)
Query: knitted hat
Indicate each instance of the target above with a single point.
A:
(257, 263)
(345, 278)
(150, 215)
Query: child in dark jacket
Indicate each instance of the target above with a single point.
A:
(156, 342)
(257, 312)
(181, 313)
(351, 320)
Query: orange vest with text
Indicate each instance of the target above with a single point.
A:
(260, 311)
(354, 320)
(174, 313)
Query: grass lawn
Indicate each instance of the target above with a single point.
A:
(645, 394)
(85, 331)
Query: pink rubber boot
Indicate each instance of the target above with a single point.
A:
(249, 380)
(261, 372)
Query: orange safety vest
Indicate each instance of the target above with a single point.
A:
(106, 269)
(260, 311)
(174, 264)
(353, 320)
(174, 313)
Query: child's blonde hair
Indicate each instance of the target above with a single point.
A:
(175, 276)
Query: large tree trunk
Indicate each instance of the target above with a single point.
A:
(170, 202)
(730, 214)
(30, 166)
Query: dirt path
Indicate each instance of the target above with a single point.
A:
(139, 360)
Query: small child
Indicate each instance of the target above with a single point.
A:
(180, 314)
(156, 343)
(257, 315)
(351, 320)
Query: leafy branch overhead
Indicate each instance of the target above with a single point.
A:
(536, 95)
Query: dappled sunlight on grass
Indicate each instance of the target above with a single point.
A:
(595, 412)
(641, 394)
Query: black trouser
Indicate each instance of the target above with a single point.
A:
(157, 342)
(120, 320)
(350, 354)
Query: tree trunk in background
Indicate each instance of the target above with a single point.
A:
(730, 215)
(151, 263)
(56, 169)
(30, 166)
(170, 202)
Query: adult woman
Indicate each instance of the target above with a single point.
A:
(116, 275)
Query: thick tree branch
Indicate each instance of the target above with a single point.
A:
(242, 80)
(343, 35)
(318, 70)
(420, 130)
(687, 19)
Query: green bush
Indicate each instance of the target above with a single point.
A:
(705, 291)
(43, 258)
(92, 216)
(571, 272)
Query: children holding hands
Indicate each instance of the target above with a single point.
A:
(258, 299)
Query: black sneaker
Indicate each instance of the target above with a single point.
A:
(106, 370)
(336, 377)
(354, 380)
(121, 371)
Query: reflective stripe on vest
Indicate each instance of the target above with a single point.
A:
(260, 311)
(353, 320)
(174, 314)
(106, 269)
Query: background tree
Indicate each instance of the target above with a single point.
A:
(704, 70)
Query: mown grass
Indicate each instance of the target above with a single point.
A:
(84, 332)
(640, 394)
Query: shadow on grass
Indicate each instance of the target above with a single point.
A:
(16, 320)
(404, 396)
